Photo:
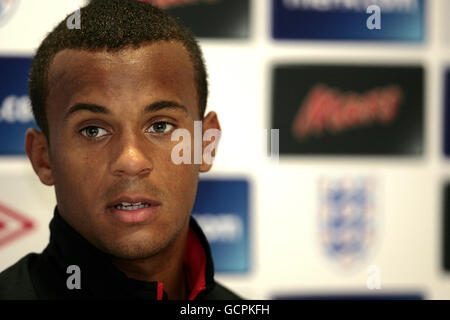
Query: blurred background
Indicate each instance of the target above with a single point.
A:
(332, 174)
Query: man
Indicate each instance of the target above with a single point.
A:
(107, 98)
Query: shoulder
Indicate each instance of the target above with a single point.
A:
(219, 292)
(15, 281)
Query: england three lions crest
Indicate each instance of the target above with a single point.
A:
(347, 219)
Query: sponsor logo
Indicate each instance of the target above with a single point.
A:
(7, 8)
(16, 115)
(164, 4)
(347, 219)
(348, 109)
(395, 295)
(227, 227)
(13, 225)
(405, 6)
(398, 20)
(16, 109)
(328, 109)
(210, 18)
(222, 209)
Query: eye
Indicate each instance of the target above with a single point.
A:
(93, 132)
(161, 127)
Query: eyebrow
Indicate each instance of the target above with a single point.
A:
(155, 106)
(159, 105)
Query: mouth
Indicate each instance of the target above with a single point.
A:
(132, 206)
(133, 209)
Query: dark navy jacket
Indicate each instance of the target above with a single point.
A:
(44, 276)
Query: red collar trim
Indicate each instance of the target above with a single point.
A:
(194, 265)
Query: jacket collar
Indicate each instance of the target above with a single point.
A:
(101, 279)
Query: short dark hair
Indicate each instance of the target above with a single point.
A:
(112, 25)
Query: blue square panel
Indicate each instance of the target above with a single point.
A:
(15, 110)
(222, 210)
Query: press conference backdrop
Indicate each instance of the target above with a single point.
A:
(355, 205)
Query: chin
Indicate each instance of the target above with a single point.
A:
(143, 243)
(137, 248)
(134, 251)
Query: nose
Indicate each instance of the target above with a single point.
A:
(131, 157)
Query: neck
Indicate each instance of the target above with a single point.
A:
(166, 266)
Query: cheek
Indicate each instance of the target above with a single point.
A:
(180, 181)
(78, 172)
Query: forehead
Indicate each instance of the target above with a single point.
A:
(160, 68)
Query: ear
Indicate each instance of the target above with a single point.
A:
(37, 150)
(209, 144)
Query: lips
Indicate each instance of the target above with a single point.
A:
(134, 209)
(132, 206)
(133, 201)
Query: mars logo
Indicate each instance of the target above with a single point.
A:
(210, 18)
(12, 225)
(328, 109)
(347, 219)
(349, 109)
(172, 3)
(7, 8)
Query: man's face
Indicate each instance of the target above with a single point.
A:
(110, 118)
